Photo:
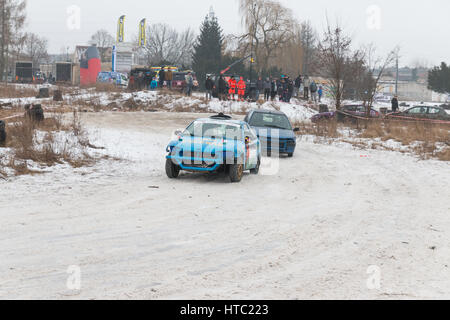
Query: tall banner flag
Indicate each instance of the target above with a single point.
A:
(142, 37)
(114, 59)
(120, 29)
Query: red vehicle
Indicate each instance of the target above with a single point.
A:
(347, 112)
(179, 80)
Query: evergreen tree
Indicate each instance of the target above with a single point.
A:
(439, 79)
(207, 56)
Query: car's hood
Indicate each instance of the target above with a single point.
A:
(264, 132)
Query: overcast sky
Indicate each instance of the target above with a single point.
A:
(419, 27)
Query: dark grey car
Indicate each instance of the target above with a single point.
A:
(422, 113)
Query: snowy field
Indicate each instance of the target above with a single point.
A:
(310, 231)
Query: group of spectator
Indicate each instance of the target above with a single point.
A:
(284, 88)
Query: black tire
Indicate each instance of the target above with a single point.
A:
(290, 155)
(236, 172)
(256, 170)
(172, 170)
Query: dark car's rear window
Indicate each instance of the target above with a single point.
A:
(279, 121)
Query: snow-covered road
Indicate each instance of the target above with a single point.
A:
(310, 231)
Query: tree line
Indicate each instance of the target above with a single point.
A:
(15, 43)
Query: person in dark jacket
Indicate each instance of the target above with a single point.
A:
(147, 79)
(290, 90)
(313, 90)
(280, 89)
(394, 103)
(267, 89)
(297, 85)
(222, 88)
(284, 89)
(273, 90)
(209, 85)
(162, 78)
(259, 87)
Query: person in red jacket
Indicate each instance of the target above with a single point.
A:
(241, 89)
(232, 84)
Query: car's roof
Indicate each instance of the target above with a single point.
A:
(267, 111)
(221, 121)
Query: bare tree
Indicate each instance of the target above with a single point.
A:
(308, 38)
(268, 27)
(166, 45)
(376, 68)
(334, 54)
(12, 20)
(35, 48)
(102, 39)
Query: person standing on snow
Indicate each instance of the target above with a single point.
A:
(259, 87)
(291, 89)
(169, 77)
(153, 84)
(222, 88)
(394, 103)
(209, 85)
(297, 85)
(267, 89)
(320, 92)
(189, 84)
(306, 84)
(313, 89)
(241, 89)
(162, 78)
(232, 85)
(273, 89)
(280, 89)
(285, 88)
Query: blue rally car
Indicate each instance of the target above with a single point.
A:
(213, 144)
(274, 130)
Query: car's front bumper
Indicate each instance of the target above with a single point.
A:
(280, 146)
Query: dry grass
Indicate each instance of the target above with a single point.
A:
(324, 129)
(443, 155)
(107, 87)
(15, 91)
(426, 140)
(37, 143)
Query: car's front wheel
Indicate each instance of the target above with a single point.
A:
(236, 172)
(290, 155)
(172, 170)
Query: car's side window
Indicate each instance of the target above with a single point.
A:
(433, 110)
(417, 110)
(249, 132)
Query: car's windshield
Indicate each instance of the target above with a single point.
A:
(213, 130)
(269, 120)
